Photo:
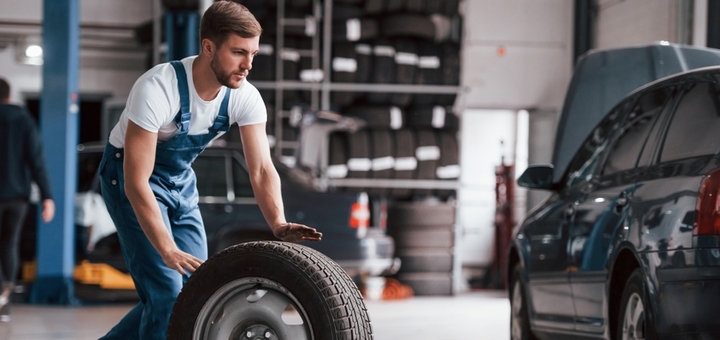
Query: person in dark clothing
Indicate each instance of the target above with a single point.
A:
(22, 162)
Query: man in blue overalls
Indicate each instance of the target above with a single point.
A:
(173, 111)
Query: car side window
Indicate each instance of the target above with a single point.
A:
(210, 173)
(241, 180)
(584, 164)
(642, 116)
(695, 124)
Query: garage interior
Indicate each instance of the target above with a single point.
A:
(483, 82)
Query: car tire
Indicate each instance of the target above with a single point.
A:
(247, 288)
(519, 313)
(632, 317)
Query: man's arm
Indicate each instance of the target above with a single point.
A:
(138, 166)
(266, 186)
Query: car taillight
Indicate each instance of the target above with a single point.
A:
(360, 212)
(707, 211)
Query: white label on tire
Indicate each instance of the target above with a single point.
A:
(337, 171)
(405, 163)
(427, 153)
(291, 55)
(431, 62)
(383, 163)
(359, 164)
(352, 30)
(312, 76)
(384, 51)
(363, 49)
(438, 117)
(265, 49)
(396, 118)
(405, 58)
(448, 171)
(310, 26)
(344, 64)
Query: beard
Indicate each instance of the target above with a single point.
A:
(224, 78)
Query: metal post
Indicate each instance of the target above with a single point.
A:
(59, 124)
(181, 31)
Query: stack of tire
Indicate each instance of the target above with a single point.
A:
(409, 136)
(424, 241)
(296, 65)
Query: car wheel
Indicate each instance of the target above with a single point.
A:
(269, 290)
(519, 315)
(632, 318)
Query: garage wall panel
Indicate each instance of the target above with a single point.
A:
(635, 22)
(525, 77)
(517, 53)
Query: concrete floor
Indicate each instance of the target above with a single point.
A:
(470, 315)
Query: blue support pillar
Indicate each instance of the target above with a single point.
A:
(181, 33)
(59, 124)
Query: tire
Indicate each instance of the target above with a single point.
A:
(519, 314)
(406, 62)
(383, 69)
(379, 117)
(344, 70)
(408, 25)
(405, 161)
(428, 155)
(632, 317)
(247, 287)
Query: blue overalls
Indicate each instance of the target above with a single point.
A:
(174, 184)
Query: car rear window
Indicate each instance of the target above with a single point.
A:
(695, 126)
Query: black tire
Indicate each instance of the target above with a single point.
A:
(359, 163)
(428, 283)
(337, 155)
(420, 260)
(364, 57)
(406, 61)
(373, 7)
(428, 72)
(408, 25)
(428, 155)
(383, 161)
(383, 69)
(264, 61)
(246, 288)
(632, 316)
(405, 161)
(379, 117)
(355, 29)
(344, 70)
(519, 313)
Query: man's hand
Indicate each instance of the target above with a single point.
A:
(181, 261)
(293, 232)
(48, 210)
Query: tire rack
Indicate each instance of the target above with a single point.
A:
(320, 97)
(321, 53)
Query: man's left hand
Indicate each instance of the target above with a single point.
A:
(294, 232)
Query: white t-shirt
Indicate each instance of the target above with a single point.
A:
(154, 101)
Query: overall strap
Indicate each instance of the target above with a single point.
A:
(222, 121)
(182, 119)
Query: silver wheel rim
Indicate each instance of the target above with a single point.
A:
(633, 327)
(252, 309)
(515, 316)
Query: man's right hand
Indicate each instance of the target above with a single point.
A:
(181, 261)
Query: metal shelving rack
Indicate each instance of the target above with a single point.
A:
(320, 95)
